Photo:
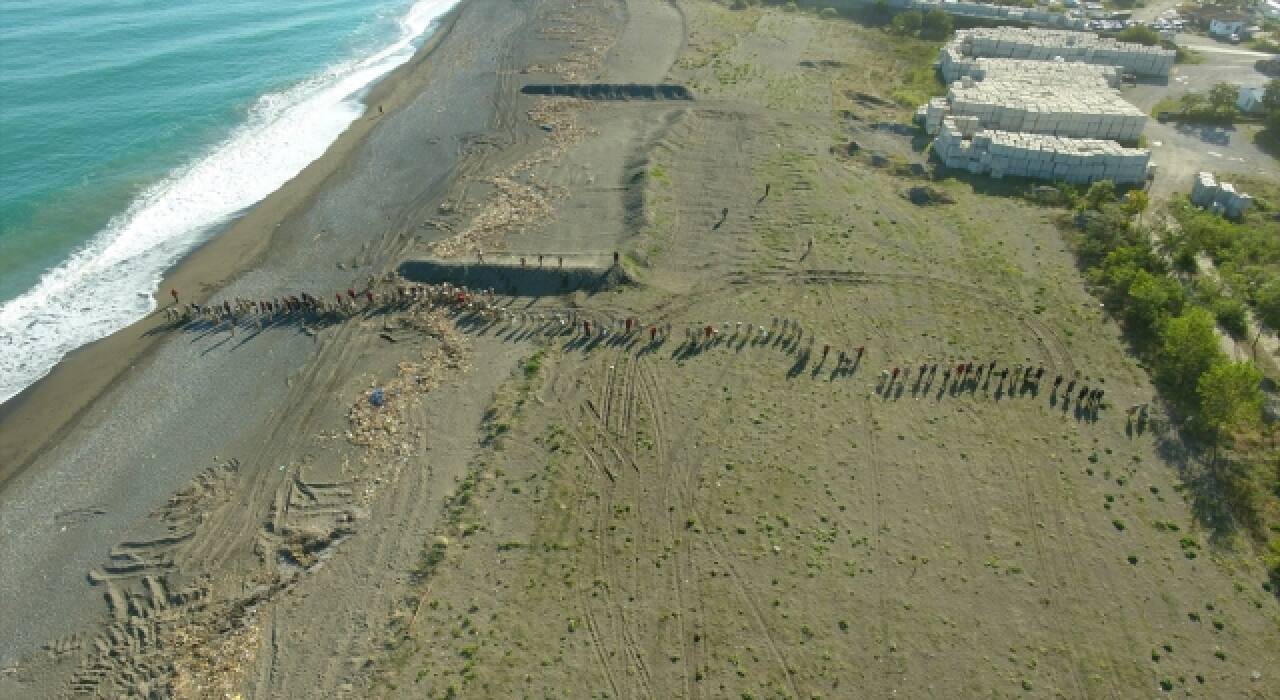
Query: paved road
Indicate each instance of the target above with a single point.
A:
(1206, 44)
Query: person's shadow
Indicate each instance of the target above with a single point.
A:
(724, 215)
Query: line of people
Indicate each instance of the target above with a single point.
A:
(484, 305)
(971, 373)
(372, 298)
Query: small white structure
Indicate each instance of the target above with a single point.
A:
(1227, 25)
(1250, 100)
(962, 144)
(1219, 197)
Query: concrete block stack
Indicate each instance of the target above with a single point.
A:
(936, 109)
(955, 66)
(1048, 44)
(1041, 103)
(1204, 190)
(1035, 104)
(1219, 197)
(960, 144)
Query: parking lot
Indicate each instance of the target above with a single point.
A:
(1181, 150)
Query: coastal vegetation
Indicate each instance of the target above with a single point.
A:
(1171, 321)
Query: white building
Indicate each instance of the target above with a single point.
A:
(1227, 25)
(1250, 100)
(1219, 197)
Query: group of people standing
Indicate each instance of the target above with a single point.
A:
(343, 304)
(484, 304)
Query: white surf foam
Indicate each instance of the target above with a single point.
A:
(109, 283)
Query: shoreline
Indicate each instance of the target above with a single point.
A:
(37, 417)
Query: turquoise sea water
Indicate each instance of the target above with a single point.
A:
(129, 129)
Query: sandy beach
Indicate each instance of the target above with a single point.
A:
(326, 229)
(714, 499)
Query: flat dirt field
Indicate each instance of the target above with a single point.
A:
(761, 513)
(746, 518)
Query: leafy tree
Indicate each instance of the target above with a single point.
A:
(1271, 95)
(1188, 348)
(1193, 102)
(1230, 396)
(1231, 315)
(1135, 202)
(1100, 192)
(1271, 103)
(1223, 96)
(1267, 301)
(908, 23)
(1151, 299)
(936, 25)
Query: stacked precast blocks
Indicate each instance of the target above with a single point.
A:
(1039, 103)
(1220, 197)
(961, 144)
(1081, 47)
(955, 65)
(1069, 108)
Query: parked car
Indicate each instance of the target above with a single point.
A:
(1268, 66)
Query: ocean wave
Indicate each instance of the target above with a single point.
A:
(110, 282)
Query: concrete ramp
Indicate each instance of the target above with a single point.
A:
(514, 279)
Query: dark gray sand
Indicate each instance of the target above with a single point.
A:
(198, 395)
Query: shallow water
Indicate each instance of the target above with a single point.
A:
(130, 130)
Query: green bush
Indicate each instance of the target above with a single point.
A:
(1152, 299)
(1267, 301)
(907, 23)
(1232, 316)
(1188, 348)
(1230, 396)
(1140, 35)
(937, 25)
